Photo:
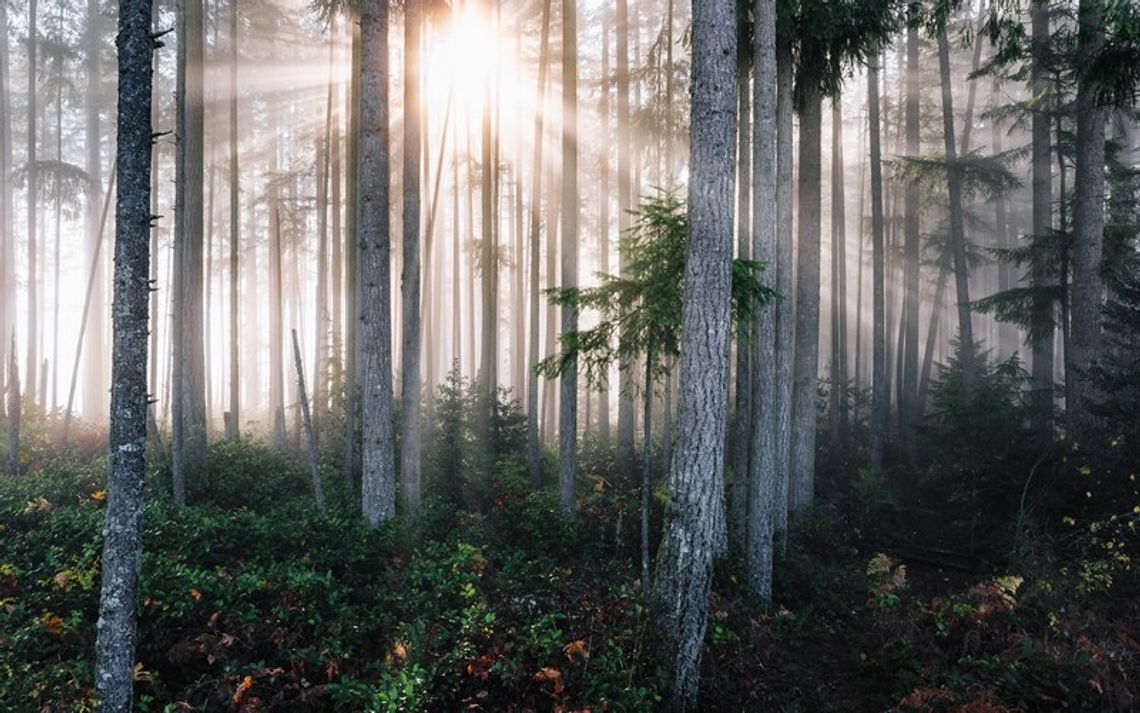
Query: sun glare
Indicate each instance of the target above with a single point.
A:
(466, 58)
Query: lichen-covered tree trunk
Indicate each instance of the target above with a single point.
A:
(694, 530)
(122, 543)
(742, 427)
(1087, 290)
(378, 487)
(410, 282)
(568, 396)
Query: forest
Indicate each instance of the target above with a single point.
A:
(569, 355)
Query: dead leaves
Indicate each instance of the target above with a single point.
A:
(576, 649)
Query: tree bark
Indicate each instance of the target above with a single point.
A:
(189, 398)
(802, 472)
(7, 235)
(568, 396)
(764, 442)
(694, 530)
(784, 310)
(378, 488)
(32, 360)
(122, 542)
(411, 387)
(911, 244)
(745, 351)
(314, 469)
(95, 378)
(234, 422)
(1087, 292)
(534, 463)
(957, 223)
(879, 394)
(625, 204)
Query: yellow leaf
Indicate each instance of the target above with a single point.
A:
(400, 651)
(576, 648)
(141, 674)
(53, 624)
(99, 495)
(239, 694)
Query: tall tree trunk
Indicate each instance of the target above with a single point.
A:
(807, 304)
(838, 277)
(277, 294)
(233, 423)
(122, 543)
(353, 236)
(784, 310)
(741, 472)
(604, 201)
(879, 339)
(189, 427)
(32, 360)
(764, 441)
(12, 467)
(489, 268)
(410, 367)
(568, 397)
(7, 235)
(95, 379)
(911, 245)
(957, 222)
(694, 531)
(534, 463)
(646, 455)
(314, 469)
(1088, 225)
(378, 441)
(625, 204)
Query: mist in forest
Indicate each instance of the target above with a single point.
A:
(708, 284)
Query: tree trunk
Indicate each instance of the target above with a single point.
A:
(764, 442)
(838, 277)
(741, 472)
(534, 463)
(7, 235)
(314, 469)
(1088, 227)
(604, 200)
(784, 311)
(646, 462)
(879, 338)
(911, 245)
(95, 378)
(410, 368)
(189, 403)
(694, 530)
(234, 422)
(14, 410)
(625, 204)
(807, 305)
(122, 543)
(33, 183)
(957, 223)
(568, 396)
(378, 440)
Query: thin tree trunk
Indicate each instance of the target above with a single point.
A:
(745, 350)
(838, 277)
(568, 397)
(625, 204)
(410, 367)
(879, 339)
(1088, 227)
(122, 543)
(604, 201)
(957, 226)
(534, 465)
(189, 398)
(7, 235)
(764, 441)
(378, 441)
(911, 246)
(646, 454)
(785, 311)
(314, 469)
(33, 184)
(695, 527)
(234, 421)
(14, 410)
(807, 305)
(95, 380)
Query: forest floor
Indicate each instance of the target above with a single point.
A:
(250, 600)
